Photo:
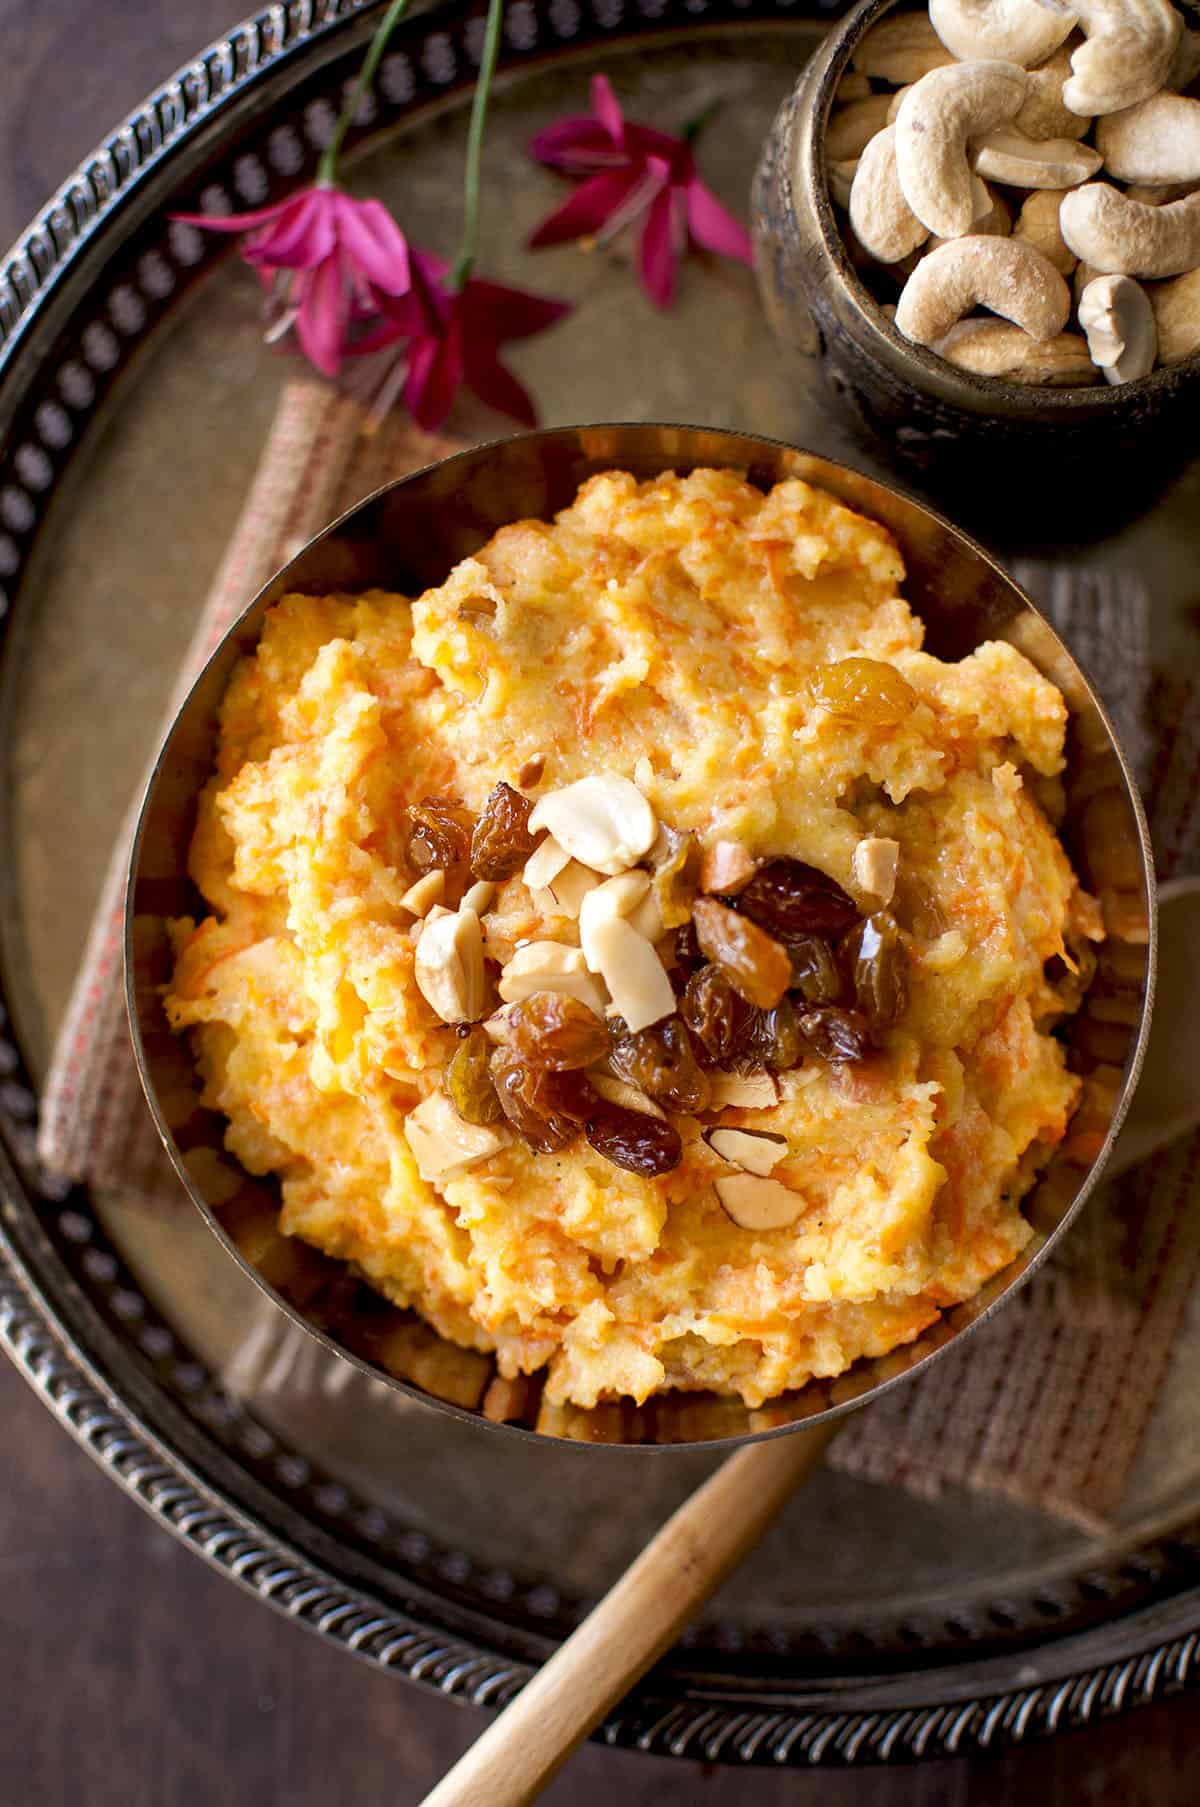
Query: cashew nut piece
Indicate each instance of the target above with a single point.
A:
(1042, 113)
(853, 86)
(992, 220)
(1158, 194)
(1117, 235)
(996, 349)
(1156, 141)
(1016, 31)
(1185, 64)
(1005, 275)
(1037, 224)
(1019, 162)
(901, 49)
(898, 101)
(885, 223)
(840, 177)
(1177, 315)
(1116, 315)
(1128, 53)
(852, 128)
(936, 118)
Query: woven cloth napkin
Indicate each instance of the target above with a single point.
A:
(1048, 1403)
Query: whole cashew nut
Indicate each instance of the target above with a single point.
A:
(852, 128)
(1177, 315)
(1015, 31)
(1020, 162)
(885, 223)
(996, 349)
(1037, 223)
(936, 118)
(840, 177)
(1185, 64)
(1129, 51)
(1042, 113)
(853, 86)
(1129, 238)
(1116, 315)
(901, 49)
(1005, 275)
(993, 220)
(1156, 141)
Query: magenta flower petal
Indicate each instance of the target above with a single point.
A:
(321, 322)
(713, 226)
(300, 239)
(498, 387)
(238, 222)
(579, 146)
(585, 210)
(493, 312)
(374, 243)
(435, 374)
(606, 108)
(657, 251)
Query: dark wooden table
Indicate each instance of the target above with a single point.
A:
(134, 1677)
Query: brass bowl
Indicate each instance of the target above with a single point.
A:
(1019, 461)
(406, 537)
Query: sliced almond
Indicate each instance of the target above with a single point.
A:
(603, 821)
(443, 1144)
(756, 1150)
(646, 917)
(549, 966)
(726, 868)
(618, 1091)
(547, 859)
(497, 1027)
(569, 887)
(448, 966)
(480, 897)
(615, 897)
(637, 980)
(427, 891)
(755, 1203)
(746, 1091)
(876, 862)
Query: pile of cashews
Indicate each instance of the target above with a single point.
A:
(990, 150)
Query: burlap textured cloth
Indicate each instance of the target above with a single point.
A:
(1048, 1403)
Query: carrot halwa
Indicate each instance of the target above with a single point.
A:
(739, 679)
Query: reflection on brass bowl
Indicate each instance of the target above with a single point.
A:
(406, 538)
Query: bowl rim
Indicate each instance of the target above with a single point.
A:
(837, 1408)
(975, 394)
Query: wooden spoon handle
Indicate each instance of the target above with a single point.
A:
(633, 1625)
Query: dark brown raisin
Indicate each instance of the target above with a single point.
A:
(714, 1012)
(755, 964)
(866, 691)
(661, 1062)
(789, 898)
(634, 1140)
(772, 1040)
(468, 1080)
(815, 972)
(874, 957)
(549, 1029)
(546, 1108)
(502, 843)
(834, 1034)
(439, 834)
(676, 859)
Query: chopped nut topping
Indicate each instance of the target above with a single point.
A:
(745, 1091)
(617, 1091)
(569, 887)
(544, 863)
(549, 966)
(480, 896)
(755, 1150)
(726, 868)
(876, 861)
(755, 1203)
(443, 1145)
(427, 891)
(637, 980)
(603, 821)
(449, 965)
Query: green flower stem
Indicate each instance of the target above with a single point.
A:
(465, 261)
(327, 167)
(695, 126)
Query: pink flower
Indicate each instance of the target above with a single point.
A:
(321, 256)
(451, 339)
(634, 173)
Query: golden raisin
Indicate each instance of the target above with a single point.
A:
(676, 876)
(789, 898)
(834, 1034)
(755, 965)
(716, 1014)
(468, 1081)
(661, 1061)
(502, 843)
(866, 691)
(547, 1109)
(439, 834)
(634, 1140)
(875, 958)
(549, 1029)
